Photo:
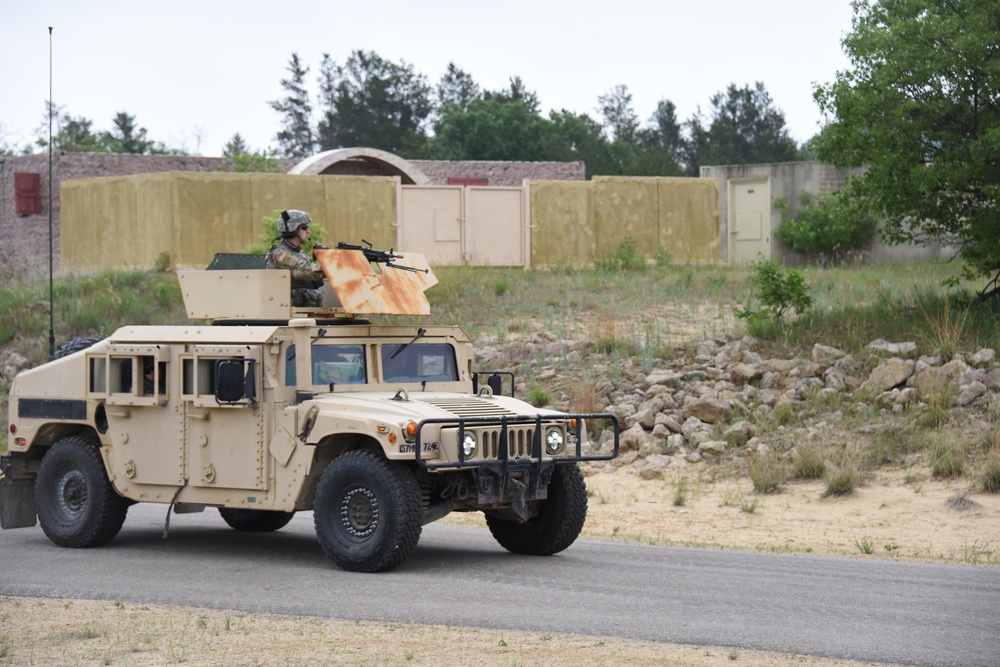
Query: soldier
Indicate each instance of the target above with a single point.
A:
(307, 277)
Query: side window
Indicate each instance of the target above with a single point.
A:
(129, 379)
(339, 364)
(431, 362)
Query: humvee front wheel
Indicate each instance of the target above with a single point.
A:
(368, 512)
(255, 521)
(77, 506)
(559, 521)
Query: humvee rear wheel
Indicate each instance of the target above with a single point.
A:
(77, 506)
(559, 521)
(368, 512)
(255, 521)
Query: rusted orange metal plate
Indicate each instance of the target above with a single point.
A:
(370, 288)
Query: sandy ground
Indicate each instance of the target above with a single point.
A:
(896, 515)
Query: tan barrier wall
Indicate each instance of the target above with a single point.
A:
(577, 223)
(129, 221)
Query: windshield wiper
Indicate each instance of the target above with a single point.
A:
(420, 334)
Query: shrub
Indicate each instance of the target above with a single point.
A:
(827, 225)
(778, 292)
(626, 258)
(947, 460)
(808, 464)
(270, 236)
(841, 483)
(991, 475)
(767, 473)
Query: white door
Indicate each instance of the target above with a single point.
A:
(453, 224)
(749, 220)
(431, 222)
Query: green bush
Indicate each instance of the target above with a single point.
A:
(270, 236)
(778, 292)
(841, 483)
(626, 258)
(767, 473)
(827, 226)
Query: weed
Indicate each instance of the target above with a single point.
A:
(626, 257)
(991, 473)
(500, 287)
(681, 492)
(538, 397)
(6, 647)
(865, 545)
(733, 655)
(808, 463)
(843, 482)
(767, 472)
(947, 460)
(977, 554)
(501, 641)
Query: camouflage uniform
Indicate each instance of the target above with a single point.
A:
(307, 277)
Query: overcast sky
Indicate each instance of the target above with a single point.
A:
(195, 72)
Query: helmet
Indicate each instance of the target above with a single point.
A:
(290, 221)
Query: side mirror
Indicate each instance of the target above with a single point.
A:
(233, 386)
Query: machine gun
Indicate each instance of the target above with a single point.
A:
(386, 257)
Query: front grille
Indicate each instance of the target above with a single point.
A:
(469, 406)
(518, 441)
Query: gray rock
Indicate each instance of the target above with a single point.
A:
(709, 410)
(712, 448)
(970, 393)
(983, 357)
(931, 380)
(890, 373)
(742, 374)
(884, 348)
(824, 354)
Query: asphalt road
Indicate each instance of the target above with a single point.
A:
(911, 613)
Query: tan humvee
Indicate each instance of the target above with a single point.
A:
(273, 410)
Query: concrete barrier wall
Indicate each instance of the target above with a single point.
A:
(129, 221)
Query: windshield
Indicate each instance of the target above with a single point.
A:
(339, 364)
(419, 362)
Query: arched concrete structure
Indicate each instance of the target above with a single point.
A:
(383, 161)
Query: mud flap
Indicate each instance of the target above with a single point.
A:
(17, 503)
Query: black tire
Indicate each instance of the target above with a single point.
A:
(255, 521)
(75, 345)
(368, 512)
(559, 522)
(77, 506)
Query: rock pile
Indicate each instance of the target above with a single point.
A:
(707, 401)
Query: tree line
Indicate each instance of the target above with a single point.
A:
(373, 102)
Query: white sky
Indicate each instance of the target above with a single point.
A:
(195, 72)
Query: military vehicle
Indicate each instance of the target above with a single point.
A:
(264, 410)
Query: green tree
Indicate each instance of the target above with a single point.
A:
(516, 92)
(370, 101)
(745, 127)
(243, 160)
(920, 108)
(456, 88)
(237, 145)
(296, 136)
(660, 144)
(127, 137)
(619, 117)
(572, 137)
(490, 129)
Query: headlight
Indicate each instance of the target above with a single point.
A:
(554, 440)
(468, 444)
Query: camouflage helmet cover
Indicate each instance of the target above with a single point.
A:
(290, 221)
